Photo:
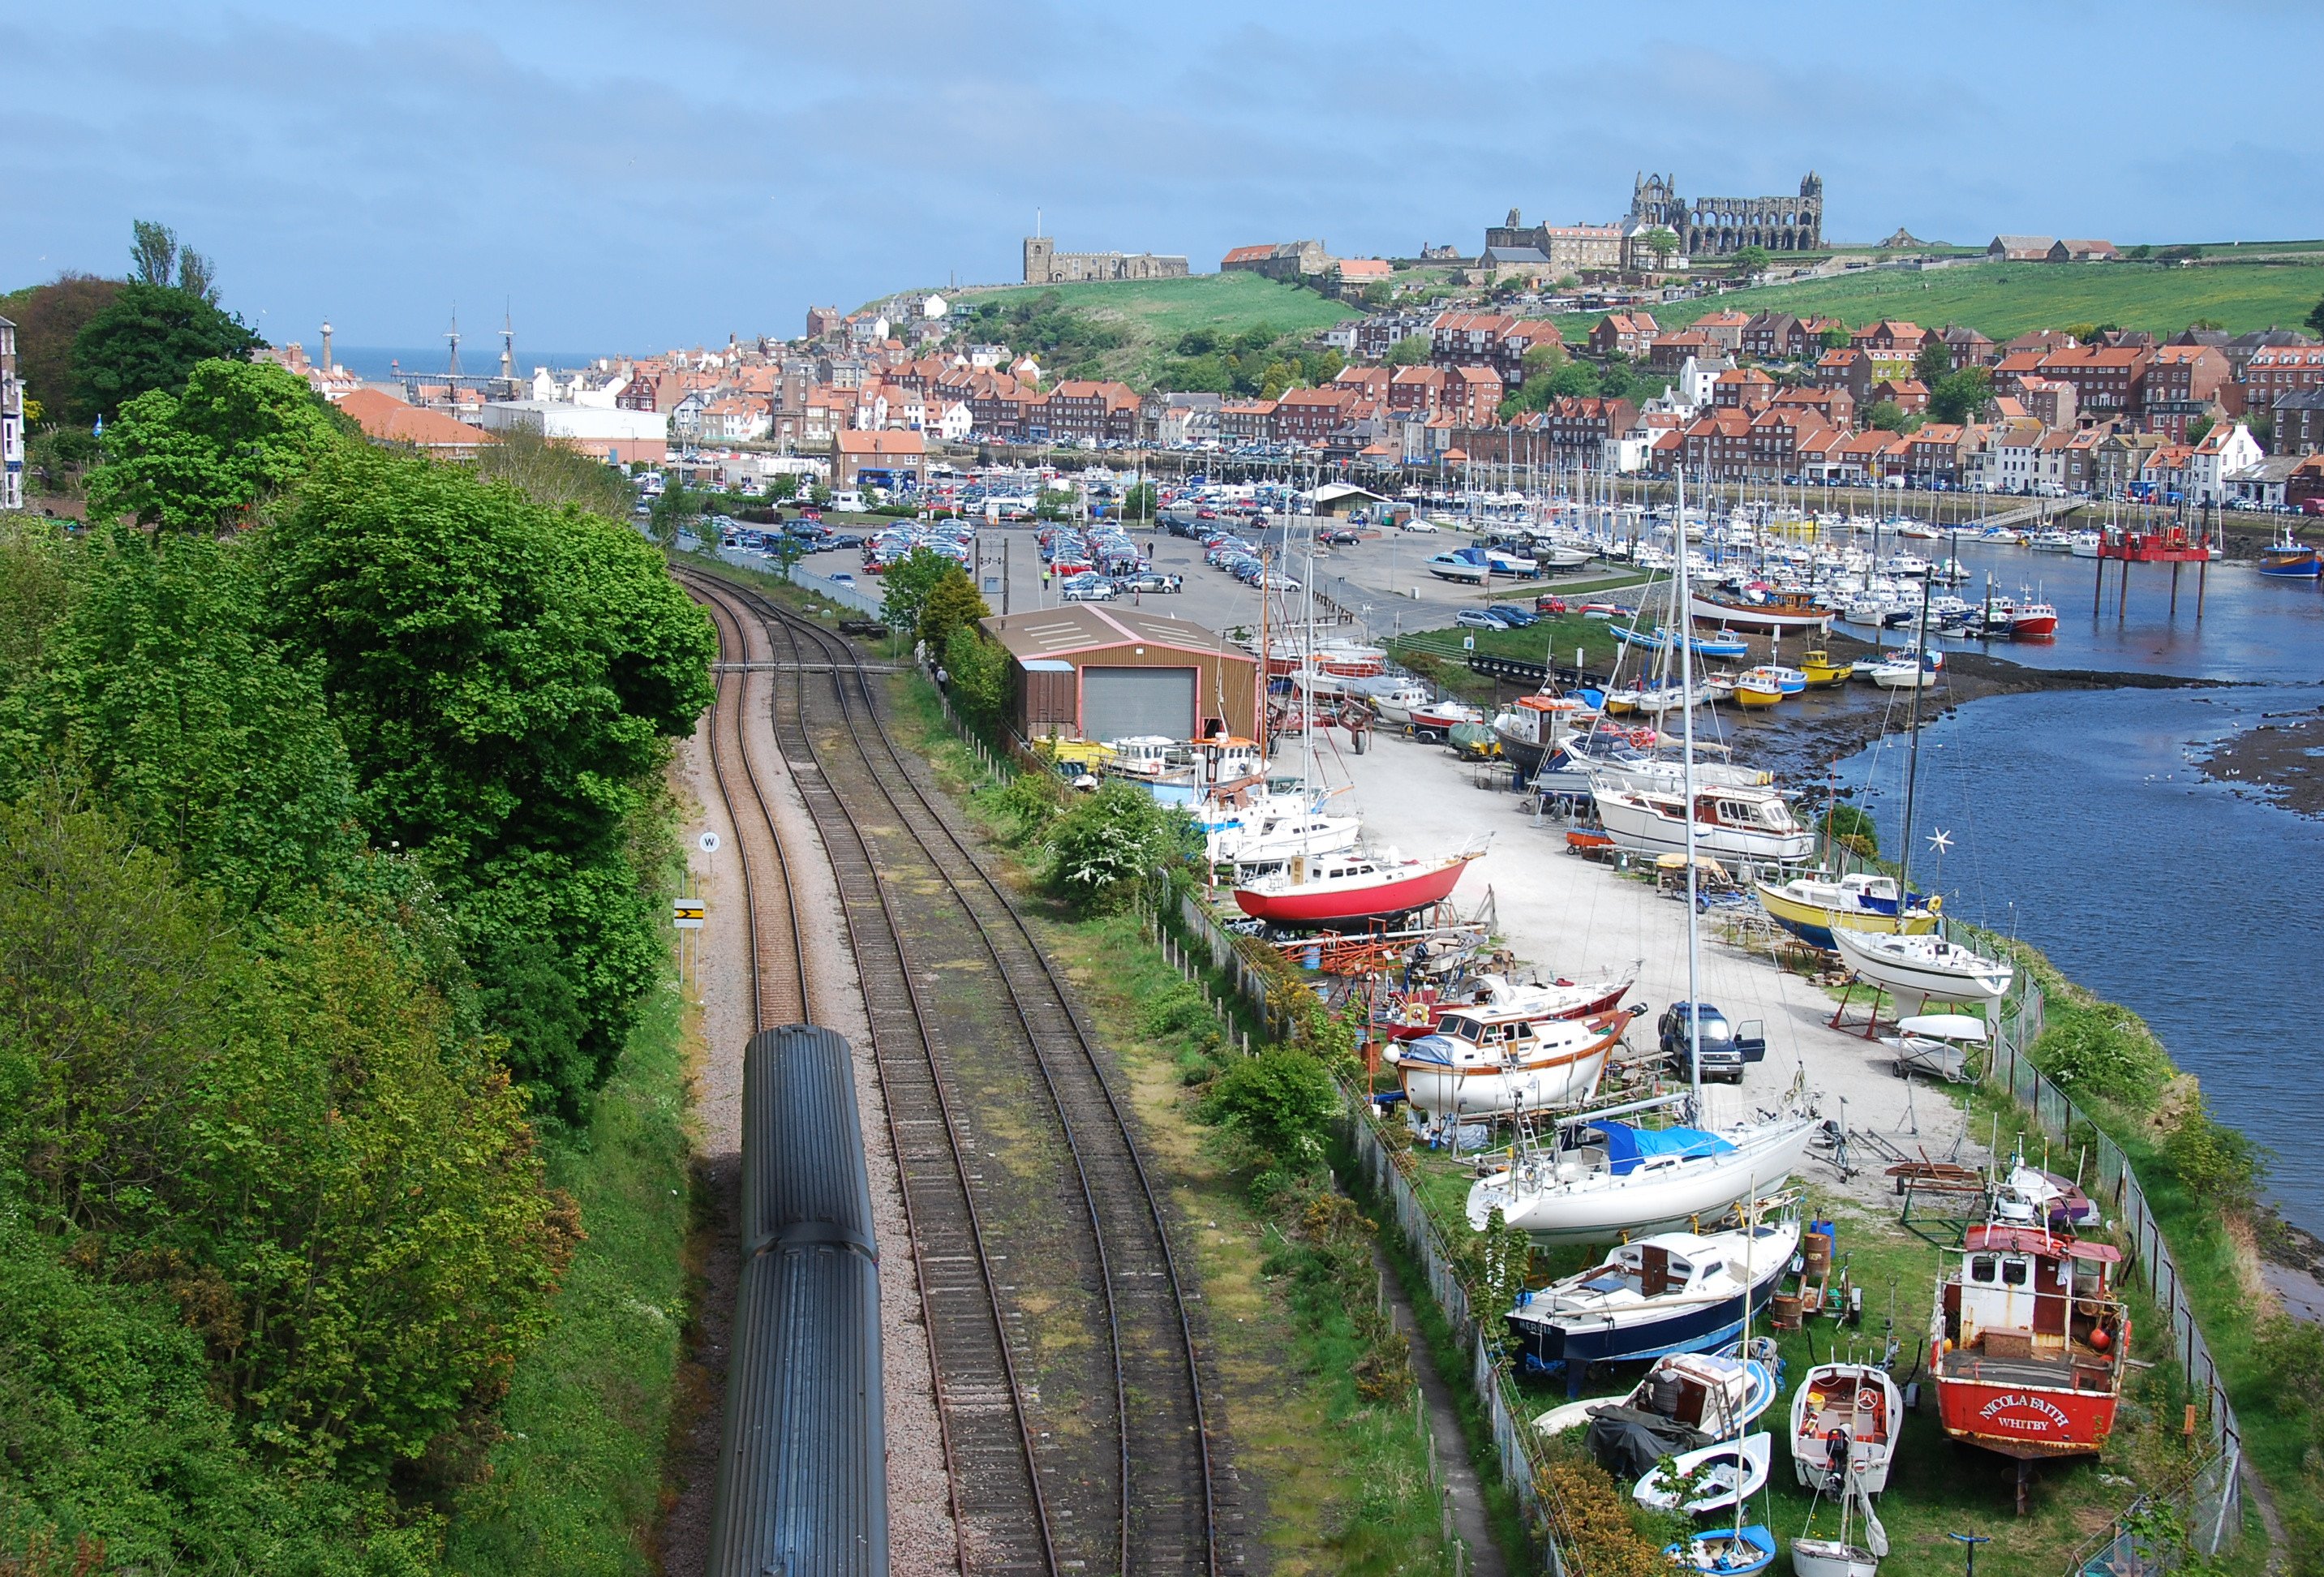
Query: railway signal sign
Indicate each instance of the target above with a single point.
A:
(708, 843)
(686, 913)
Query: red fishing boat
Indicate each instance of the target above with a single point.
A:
(2033, 621)
(2029, 1344)
(1339, 891)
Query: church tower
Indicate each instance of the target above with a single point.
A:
(1040, 250)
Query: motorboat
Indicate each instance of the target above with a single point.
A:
(1926, 968)
(2287, 558)
(1666, 1293)
(2053, 540)
(1438, 719)
(1146, 755)
(1730, 820)
(1344, 659)
(1725, 1552)
(1906, 672)
(2028, 1196)
(2033, 621)
(2086, 544)
(1810, 906)
(1281, 833)
(1841, 1557)
(1558, 999)
(1819, 669)
(1758, 687)
(1790, 680)
(1457, 565)
(1715, 1394)
(1602, 1178)
(1533, 725)
(1480, 1062)
(2028, 1343)
(1847, 1419)
(1763, 612)
(1937, 1044)
(1721, 1475)
(1348, 891)
(1393, 700)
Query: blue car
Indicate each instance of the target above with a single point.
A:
(1515, 617)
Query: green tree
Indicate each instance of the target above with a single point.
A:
(1835, 337)
(2199, 428)
(1411, 351)
(1109, 842)
(1749, 262)
(1138, 502)
(1934, 362)
(1961, 396)
(2315, 318)
(908, 584)
(980, 676)
(154, 254)
(151, 336)
(1279, 1106)
(1883, 416)
(1541, 361)
(507, 680)
(48, 318)
(1660, 244)
(201, 460)
(1378, 293)
(674, 509)
(952, 603)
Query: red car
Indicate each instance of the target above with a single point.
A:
(1549, 605)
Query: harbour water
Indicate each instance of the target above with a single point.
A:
(2079, 821)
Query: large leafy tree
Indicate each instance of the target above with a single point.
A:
(1961, 396)
(506, 678)
(151, 336)
(48, 318)
(198, 461)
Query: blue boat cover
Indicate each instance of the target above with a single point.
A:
(1627, 1145)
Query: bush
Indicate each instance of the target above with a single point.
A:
(1102, 847)
(1029, 802)
(1279, 1107)
(1591, 1517)
(2215, 1162)
(1177, 1011)
(2104, 1050)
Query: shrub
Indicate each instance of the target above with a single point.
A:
(1591, 1517)
(1029, 803)
(2105, 1050)
(1104, 846)
(1179, 1010)
(2215, 1162)
(1277, 1106)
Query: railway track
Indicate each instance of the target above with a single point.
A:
(1069, 1378)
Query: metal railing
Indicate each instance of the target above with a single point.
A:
(2216, 1516)
(822, 585)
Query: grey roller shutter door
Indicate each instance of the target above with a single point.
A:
(1119, 701)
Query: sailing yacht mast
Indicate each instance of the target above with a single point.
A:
(1686, 804)
(1913, 757)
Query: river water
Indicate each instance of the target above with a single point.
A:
(2079, 821)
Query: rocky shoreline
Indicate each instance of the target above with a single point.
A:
(2281, 762)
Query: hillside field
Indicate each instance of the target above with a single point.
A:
(1155, 312)
(2004, 299)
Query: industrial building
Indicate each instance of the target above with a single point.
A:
(1087, 671)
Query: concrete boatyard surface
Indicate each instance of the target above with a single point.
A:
(1564, 915)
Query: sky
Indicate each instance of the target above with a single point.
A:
(635, 177)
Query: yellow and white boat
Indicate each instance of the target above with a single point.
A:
(1758, 687)
(1821, 670)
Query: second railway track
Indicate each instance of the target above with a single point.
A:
(1070, 1383)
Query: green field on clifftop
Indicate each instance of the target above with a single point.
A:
(2004, 299)
(1155, 312)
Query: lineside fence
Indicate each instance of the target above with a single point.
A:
(2215, 1505)
(822, 585)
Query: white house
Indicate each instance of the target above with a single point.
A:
(1696, 377)
(685, 416)
(737, 418)
(12, 422)
(2225, 450)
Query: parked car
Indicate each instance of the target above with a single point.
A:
(1549, 605)
(1512, 615)
(1478, 619)
(1725, 1049)
(1415, 524)
(1150, 580)
(846, 540)
(1342, 537)
(1101, 591)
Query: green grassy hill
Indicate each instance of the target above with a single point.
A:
(2004, 299)
(1155, 312)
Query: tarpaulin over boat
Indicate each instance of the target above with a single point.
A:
(1629, 1442)
(1626, 1146)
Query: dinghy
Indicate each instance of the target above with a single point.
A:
(1712, 1393)
(1722, 1474)
(1846, 1421)
(1729, 1552)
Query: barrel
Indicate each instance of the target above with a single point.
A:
(1784, 1310)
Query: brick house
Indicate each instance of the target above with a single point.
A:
(1891, 338)
(1804, 341)
(1628, 333)
(1767, 336)
(1836, 406)
(2051, 402)
(1723, 329)
(2184, 375)
(2272, 372)
(1669, 352)
(2299, 422)
(1246, 422)
(1472, 396)
(1576, 427)
(1937, 452)
(1309, 416)
(1417, 391)
(1967, 346)
(2120, 458)
(1742, 389)
(1468, 339)
(2104, 378)
(1093, 412)
(1910, 395)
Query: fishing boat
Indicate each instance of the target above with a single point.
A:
(1722, 1475)
(2028, 1344)
(2033, 621)
(1926, 968)
(1906, 671)
(1758, 687)
(1601, 1177)
(1730, 820)
(1847, 1419)
(1345, 892)
(1533, 725)
(1481, 1063)
(1819, 669)
(1668, 1292)
(1763, 611)
(1725, 1552)
(1809, 907)
(2287, 558)
(1712, 1394)
(1146, 755)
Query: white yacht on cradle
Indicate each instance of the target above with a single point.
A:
(1928, 968)
(1607, 1179)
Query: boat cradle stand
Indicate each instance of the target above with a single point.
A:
(1872, 1020)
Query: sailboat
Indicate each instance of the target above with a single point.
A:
(1483, 1063)
(1921, 969)
(1837, 1557)
(1603, 1178)
(1742, 1548)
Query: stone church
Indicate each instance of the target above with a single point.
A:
(1709, 226)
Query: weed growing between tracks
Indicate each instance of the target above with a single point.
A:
(574, 1488)
(1317, 1406)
